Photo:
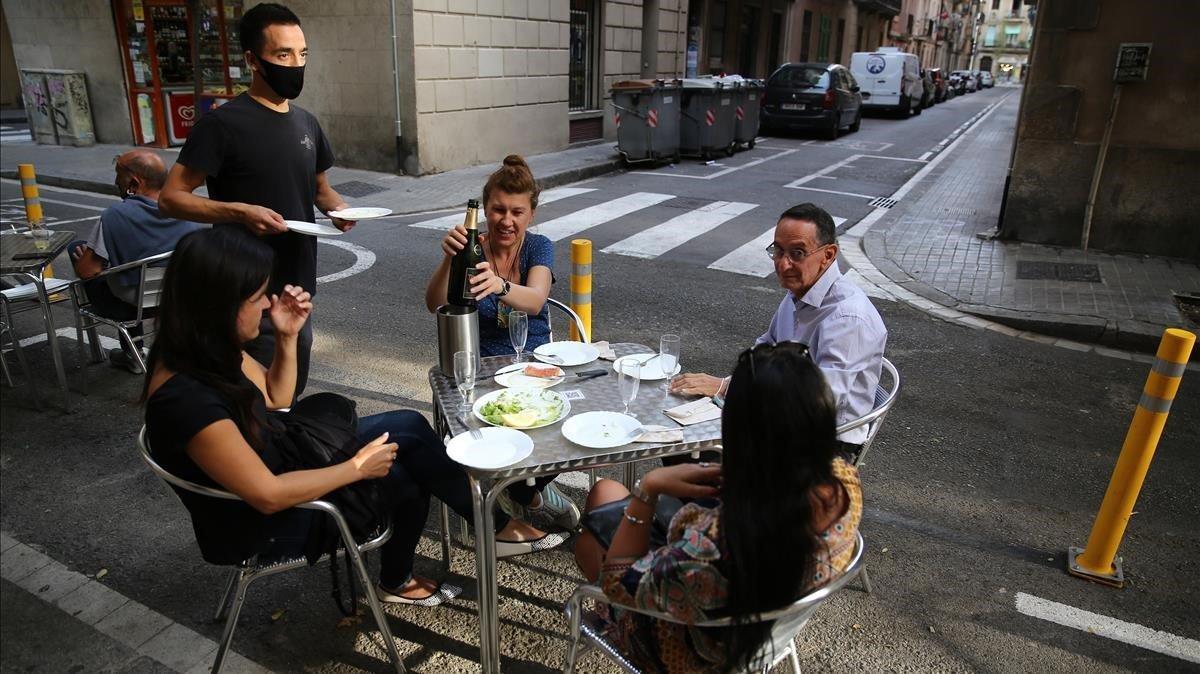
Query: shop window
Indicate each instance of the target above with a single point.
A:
(748, 41)
(716, 34)
(581, 76)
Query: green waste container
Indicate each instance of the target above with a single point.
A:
(708, 118)
(646, 113)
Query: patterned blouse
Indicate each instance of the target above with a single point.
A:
(682, 578)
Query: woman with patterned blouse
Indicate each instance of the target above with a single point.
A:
(774, 521)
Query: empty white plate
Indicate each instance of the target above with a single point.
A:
(651, 366)
(600, 430)
(312, 228)
(499, 447)
(568, 354)
(360, 213)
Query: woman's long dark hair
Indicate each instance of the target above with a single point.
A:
(211, 273)
(778, 430)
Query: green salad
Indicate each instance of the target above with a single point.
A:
(522, 408)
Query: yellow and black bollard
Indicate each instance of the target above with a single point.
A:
(581, 286)
(1098, 561)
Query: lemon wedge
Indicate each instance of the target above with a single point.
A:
(520, 419)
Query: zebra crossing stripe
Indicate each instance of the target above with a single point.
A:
(570, 225)
(659, 239)
(548, 197)
(751, 258)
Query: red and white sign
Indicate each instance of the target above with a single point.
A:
(710, 118)
(741, 114)
(617, 120)
(181, 113)
(652, 119)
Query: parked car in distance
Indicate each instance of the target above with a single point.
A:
(927, 95)
(940, 85)
(986, 80)
(890, 80)
(820, 96)
(970, 84)
(955, 84)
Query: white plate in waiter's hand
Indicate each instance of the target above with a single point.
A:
(312, 228)
(360, 213)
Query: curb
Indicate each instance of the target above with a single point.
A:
(81, 184)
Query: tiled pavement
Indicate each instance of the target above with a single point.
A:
(929, 245)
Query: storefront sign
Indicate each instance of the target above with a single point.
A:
(1133, 61)
(181, 112)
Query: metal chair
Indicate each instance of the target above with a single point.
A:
(788, 622)
(19, 299)
(884, 399)
(150, 271)
(250, 570)
(10, 342)
(571, 315)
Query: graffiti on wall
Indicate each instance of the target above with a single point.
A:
(58, 107)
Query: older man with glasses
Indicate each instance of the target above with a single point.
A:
(822, 309)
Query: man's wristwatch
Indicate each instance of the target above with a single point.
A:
(505, 288)
(640, 494)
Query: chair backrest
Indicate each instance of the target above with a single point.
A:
(885, 398)
(572, 316)
(168, 477)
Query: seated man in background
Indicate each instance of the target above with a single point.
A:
(822, 309)
(128, 231)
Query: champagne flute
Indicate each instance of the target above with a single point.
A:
(629, 376)
(518, 332)
(668, 357)
(465, 367)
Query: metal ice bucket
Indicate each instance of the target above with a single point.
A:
(458, 330)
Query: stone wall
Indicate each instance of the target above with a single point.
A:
(1147, 198)
(76, 35)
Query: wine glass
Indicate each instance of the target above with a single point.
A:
(668, 356)
(518, 332)
(465, 367)
(629, 376)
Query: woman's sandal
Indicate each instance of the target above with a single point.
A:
(515, 548)
(444, 592)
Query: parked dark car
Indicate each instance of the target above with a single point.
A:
(941, 87)
(818, 96)
(928, 95)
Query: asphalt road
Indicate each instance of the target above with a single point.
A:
(992, 463)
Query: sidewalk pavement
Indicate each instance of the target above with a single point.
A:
(91, 169)
(935, 243)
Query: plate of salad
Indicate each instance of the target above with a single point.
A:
(522, 408)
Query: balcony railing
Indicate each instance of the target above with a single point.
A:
(885, 7)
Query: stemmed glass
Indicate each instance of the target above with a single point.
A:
(629, 376)
(668, 357)
(518, 332)
(466, 365)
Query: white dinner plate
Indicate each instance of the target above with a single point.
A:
(499, 447)
(551, 396)
(312, 228)
(571, 353)
(513, 376)
(651, 366)
(360, 213)
(600, 430)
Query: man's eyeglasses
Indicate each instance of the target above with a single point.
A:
(796, 255)
(750, 353)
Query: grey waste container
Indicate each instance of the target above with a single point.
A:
(747, 99)
(647, 120)
(707, 125)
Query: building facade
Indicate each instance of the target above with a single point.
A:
(1145, 169)
(940, 33)
(1005, 34)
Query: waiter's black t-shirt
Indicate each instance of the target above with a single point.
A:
(256, 155)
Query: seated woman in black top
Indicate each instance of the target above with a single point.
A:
(206, 415)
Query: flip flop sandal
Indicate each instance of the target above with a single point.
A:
(444, 592)
(515, 548)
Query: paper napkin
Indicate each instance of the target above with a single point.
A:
(661, 434)
(606, 351)
(695, 412)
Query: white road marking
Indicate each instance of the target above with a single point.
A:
(69, 333)
(661, 238)
(69, 203)
(751, 258)
(925, 156)
(727, 171)
(570, 225)
(363, 260)
(50, 222)
(1111, 628)
(63, 190)
(548, 197)
(844, 194)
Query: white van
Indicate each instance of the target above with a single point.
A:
(890, 79)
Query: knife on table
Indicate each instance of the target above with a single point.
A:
(591, 374)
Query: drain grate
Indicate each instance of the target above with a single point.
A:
(1028, 270)
(357, 188)
(882, 202)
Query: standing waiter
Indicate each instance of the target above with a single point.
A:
(264, 161)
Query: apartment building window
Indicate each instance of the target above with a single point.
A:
(823, 39)
(716, 34)
(989, 38)
(909, 30)
(1012, 35)
(995, 4)
(748, 41)
(841, 40)
(858, 43)
(581, 69)
(1016, 8)
(805, 35)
